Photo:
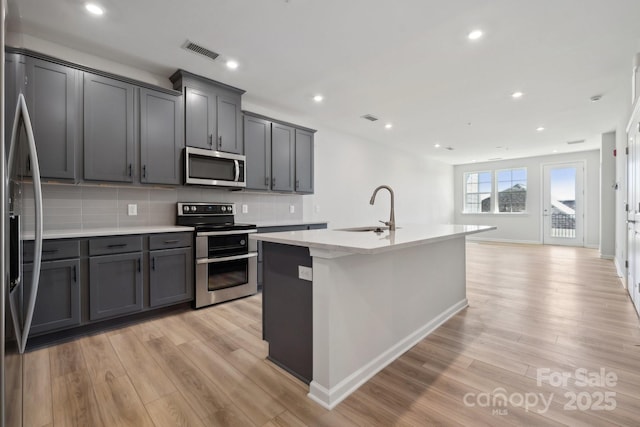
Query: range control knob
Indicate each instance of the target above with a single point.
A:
(224, 208)
(230, 208)
(193, 208)
(185, 208)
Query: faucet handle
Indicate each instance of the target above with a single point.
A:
(384, 222)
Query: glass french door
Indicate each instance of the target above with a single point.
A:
(563, 204)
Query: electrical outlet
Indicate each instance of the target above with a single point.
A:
(245, 208)
(305, 273)
(292, 209)
(132, 210)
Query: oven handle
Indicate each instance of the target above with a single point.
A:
(227, 258)
(224, 233)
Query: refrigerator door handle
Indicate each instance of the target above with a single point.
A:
(22, 113)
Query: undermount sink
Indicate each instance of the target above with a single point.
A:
(374, 228)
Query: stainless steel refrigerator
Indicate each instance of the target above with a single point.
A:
(19, 172)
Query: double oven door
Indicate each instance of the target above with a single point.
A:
(225, 267)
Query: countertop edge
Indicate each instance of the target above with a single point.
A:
(102, 232)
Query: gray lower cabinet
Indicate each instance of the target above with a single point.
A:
(282, 157)
(304, 161)
(170, 276)
(52, 95)
(161, 137)
(58, 298)
(115, 285)
(108, 129)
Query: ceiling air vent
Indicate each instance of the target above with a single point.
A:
(575, 142)
(449, 148)
(200, 50)
(370, 117)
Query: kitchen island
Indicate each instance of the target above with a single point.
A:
(339, 306)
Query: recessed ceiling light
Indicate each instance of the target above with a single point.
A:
(388, 126)
(596, 98)
(540, 129)
(94, 9)
(555, 151)
(437, 146)
(517, 95)
(232, 65)
(475, 35)
(318, 98)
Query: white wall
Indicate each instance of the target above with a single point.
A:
(347, 169)
(527, 227)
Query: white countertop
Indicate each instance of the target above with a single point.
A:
(288, 223)
(369, 242)
(96, 232)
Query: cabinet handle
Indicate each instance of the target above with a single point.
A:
(297, 184)
(167, 242)
(153, 263)
(118, 245)
(75, 274)
(266, 181)
(139, 269)
(211, 139)
(220, 142)
(273, 182)
(28, 163)
(144, 171)
(130, 169)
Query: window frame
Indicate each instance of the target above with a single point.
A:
(464, 192)
(496, 206)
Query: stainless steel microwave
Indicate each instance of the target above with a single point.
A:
(217, 168)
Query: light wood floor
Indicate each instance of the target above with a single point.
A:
(531, 307)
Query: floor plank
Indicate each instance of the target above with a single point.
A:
(531, 309)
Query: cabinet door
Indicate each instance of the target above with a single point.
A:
(229, 125)
(115, 285)
(58, 299)
(200, 118)
(257, 145)
(161, 137)
(14, 75)
(304, 161)
(170, 276)
(282, 157)
(52, 99)
(108, 129)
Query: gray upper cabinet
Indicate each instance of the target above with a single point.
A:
(161, 137)
(213, 118)
(282, 157)
(108, 129)
(229, 124)
(52, 95)
(200, 118)
(257, 146)
(304, 161)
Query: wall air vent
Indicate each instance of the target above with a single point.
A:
(200, 50)
(575, 142)
(370, 117)
(449, 148)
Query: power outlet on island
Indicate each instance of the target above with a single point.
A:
(245, 209)
(292, 208)
(132, 209)
(305, 273)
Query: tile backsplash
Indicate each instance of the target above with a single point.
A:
(76, 207)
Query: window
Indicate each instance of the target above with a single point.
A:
(477, 195)
(508, 195)
(512, 190)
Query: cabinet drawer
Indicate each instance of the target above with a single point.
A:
(52, 250)
(170, 240)
(115, 245)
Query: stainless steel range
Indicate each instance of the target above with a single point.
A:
(225, 267)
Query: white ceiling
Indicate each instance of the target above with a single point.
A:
(408, 62)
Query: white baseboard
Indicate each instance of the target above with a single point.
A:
(494, 240)
(329, 398)
(611, 257)
(622, 272)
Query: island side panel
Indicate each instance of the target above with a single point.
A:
(287, 308)
(369, 309)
